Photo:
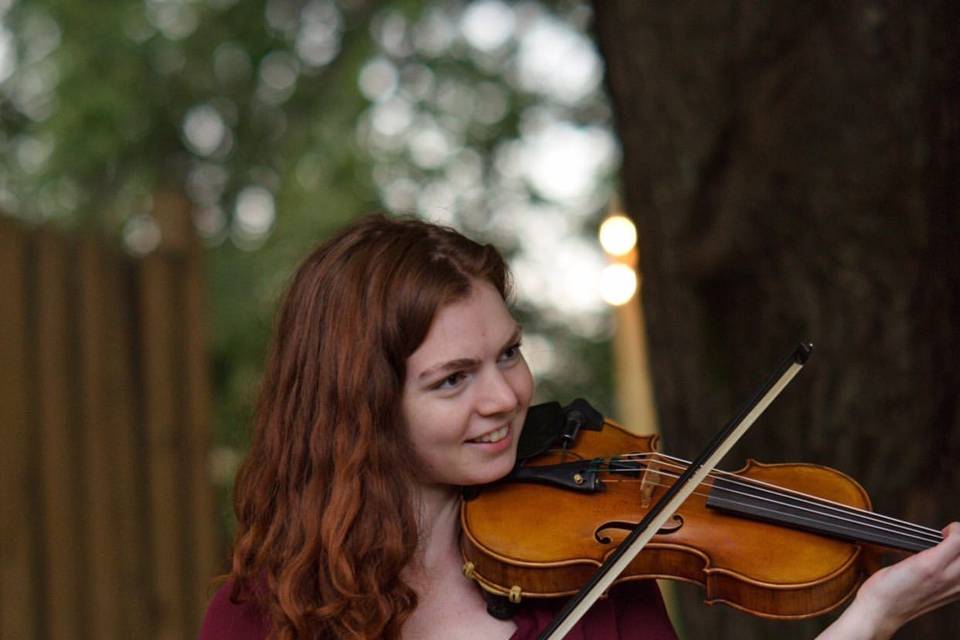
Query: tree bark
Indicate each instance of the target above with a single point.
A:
(794, 172)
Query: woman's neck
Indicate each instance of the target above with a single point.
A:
(449, 606)
(439, 523)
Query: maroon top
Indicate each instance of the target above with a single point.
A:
(633, 611)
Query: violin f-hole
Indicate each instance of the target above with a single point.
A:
(600, 536)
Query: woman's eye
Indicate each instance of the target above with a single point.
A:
(451, 381)
(511, 353)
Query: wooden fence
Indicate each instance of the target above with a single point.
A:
(107, 522)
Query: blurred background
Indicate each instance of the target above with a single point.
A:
(791, 171)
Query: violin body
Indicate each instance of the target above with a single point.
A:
(526, 540)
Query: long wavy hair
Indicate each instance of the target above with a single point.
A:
(324, 500)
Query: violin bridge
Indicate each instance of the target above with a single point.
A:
(648, 483)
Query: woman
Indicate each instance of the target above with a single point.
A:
(395, 379)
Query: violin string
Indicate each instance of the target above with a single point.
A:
(819, 502)
(864, 517)
(706, 495)
(840, 513)
(901, 535)
(847, 510)
(848, 514)
(777, 490)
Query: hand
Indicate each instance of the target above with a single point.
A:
(901, 592)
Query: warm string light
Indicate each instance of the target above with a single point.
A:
(618, 235)
(619, 280)
(618, 283)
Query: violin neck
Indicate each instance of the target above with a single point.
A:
(809, 513)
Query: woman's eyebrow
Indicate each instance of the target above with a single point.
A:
(467, 363)
(514, 337)
(452, 365)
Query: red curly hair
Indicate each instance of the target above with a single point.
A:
(324, 502)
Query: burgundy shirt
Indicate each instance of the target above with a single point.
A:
(634, 611)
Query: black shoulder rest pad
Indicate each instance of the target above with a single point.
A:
(550, 426)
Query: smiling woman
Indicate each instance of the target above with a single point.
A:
(394, 380)
(466, 392)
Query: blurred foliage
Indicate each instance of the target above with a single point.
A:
(279, 120)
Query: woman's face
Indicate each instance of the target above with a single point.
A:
(467, 390)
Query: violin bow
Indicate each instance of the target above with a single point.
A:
(665, 507)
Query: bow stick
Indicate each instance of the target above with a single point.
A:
(665, 507)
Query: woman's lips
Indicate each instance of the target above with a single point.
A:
(493, 436)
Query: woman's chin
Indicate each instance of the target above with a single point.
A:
(480, 467)
(494, 471)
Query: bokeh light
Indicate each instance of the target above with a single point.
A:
(618, 235)
(618, 283)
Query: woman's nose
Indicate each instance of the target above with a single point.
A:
(497, 394)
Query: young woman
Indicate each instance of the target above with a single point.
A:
(395, 379)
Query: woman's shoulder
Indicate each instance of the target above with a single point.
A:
(227, 619)
(632, 611)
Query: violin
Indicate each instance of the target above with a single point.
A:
(782, 541)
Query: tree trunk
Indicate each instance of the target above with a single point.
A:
(794, 172)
